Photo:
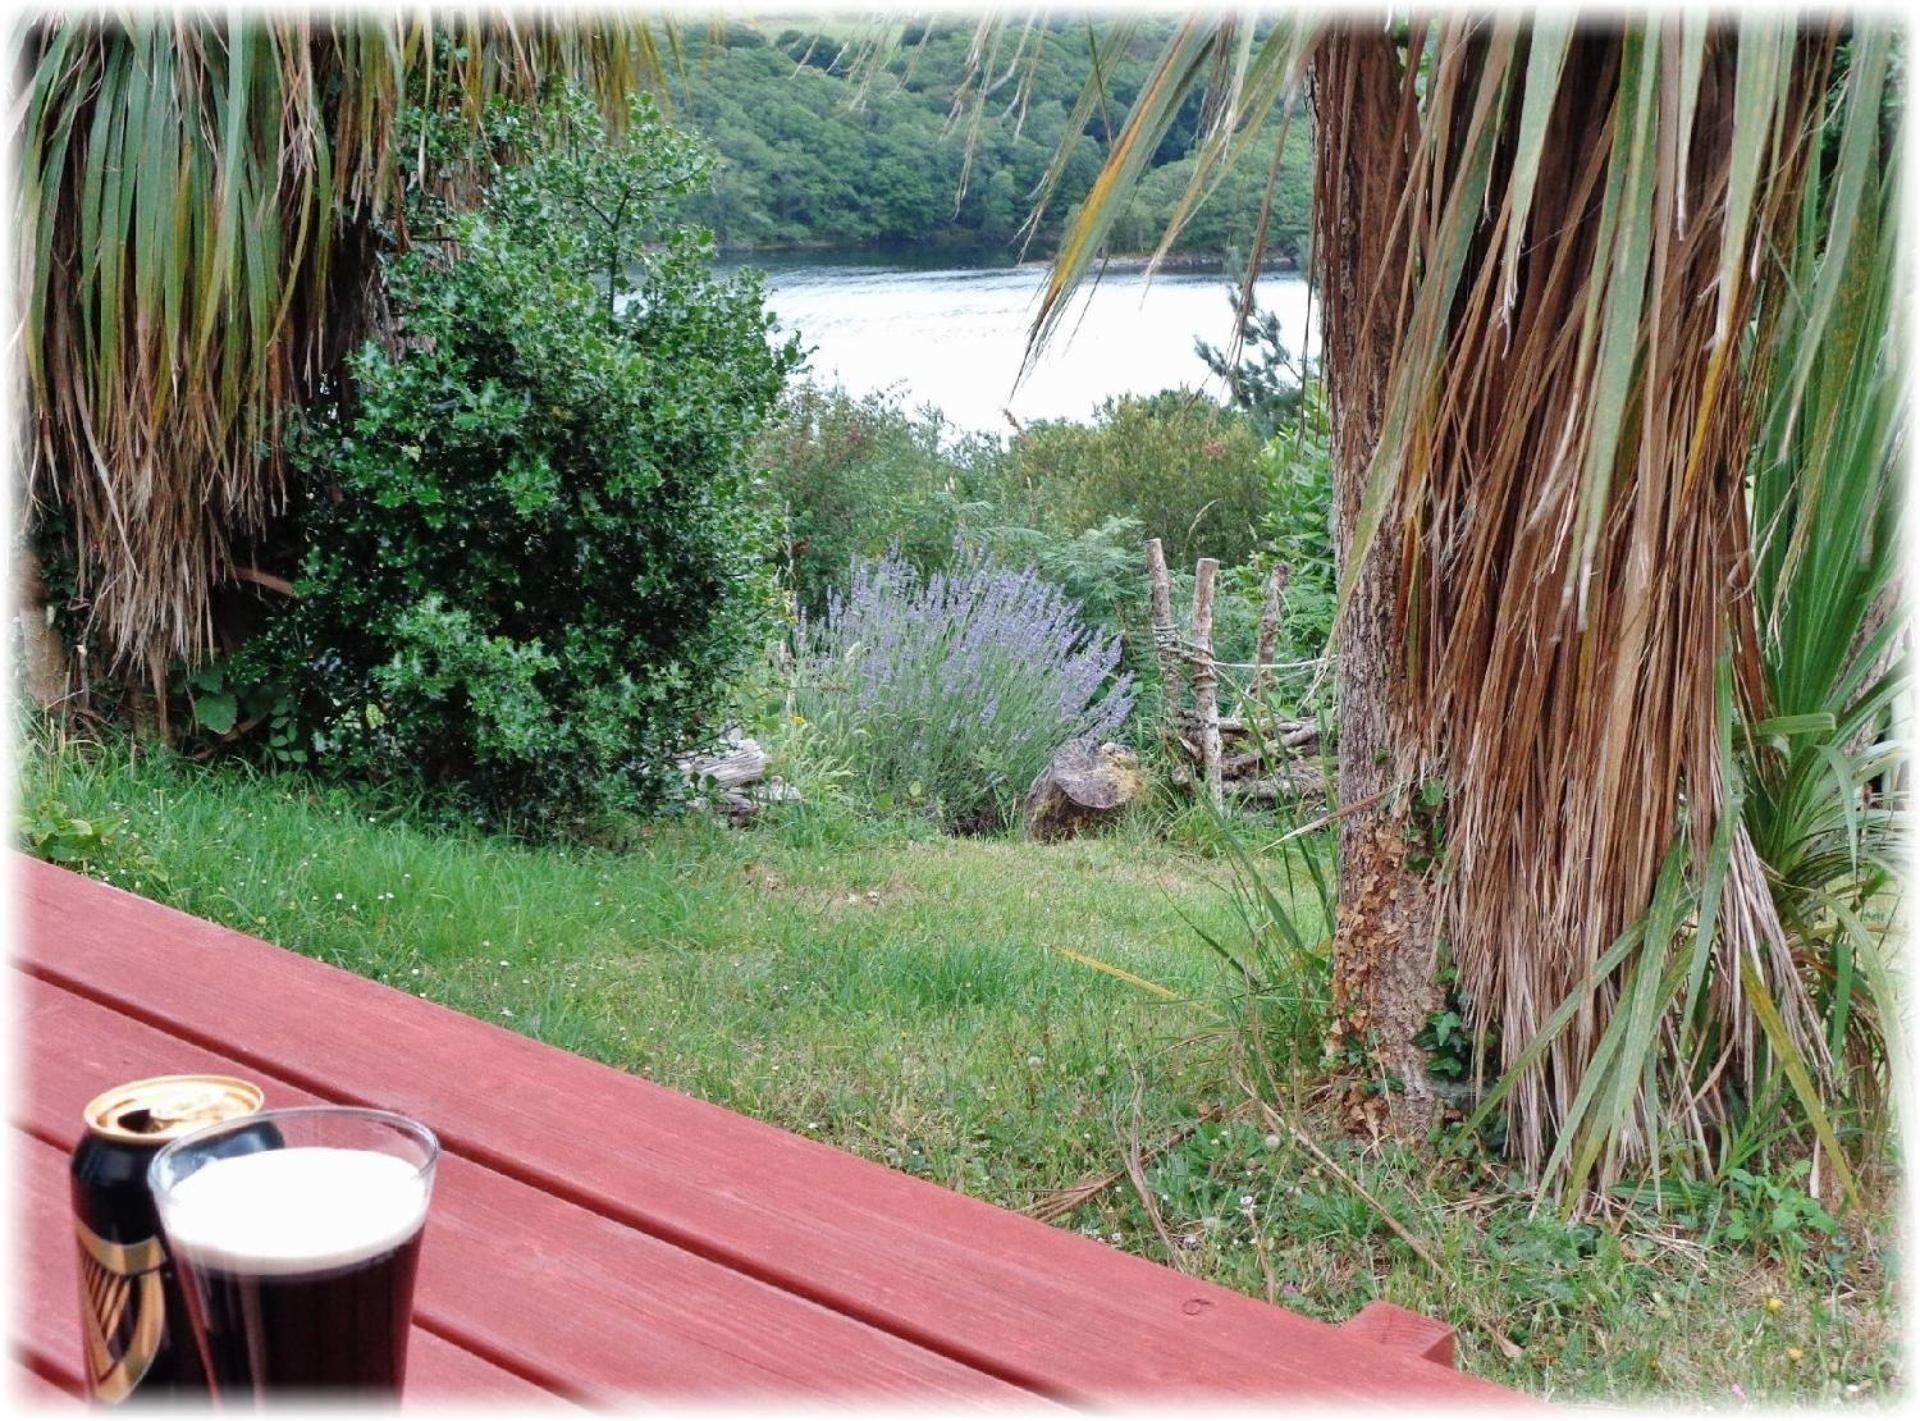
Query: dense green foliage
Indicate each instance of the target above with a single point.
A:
(532, 562)
(1188, 471)
(817, 148)
(851, 478)
(857, 476)
(199, 194)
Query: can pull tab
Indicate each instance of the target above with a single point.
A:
(182, 1107)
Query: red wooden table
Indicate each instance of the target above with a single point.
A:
(595, 1236)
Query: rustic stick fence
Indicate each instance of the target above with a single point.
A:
(1203, 733)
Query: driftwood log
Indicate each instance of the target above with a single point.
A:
(1292, 781)
(1298, 735)
(743, 762)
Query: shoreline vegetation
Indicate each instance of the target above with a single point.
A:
(970, 256)
(824, 138)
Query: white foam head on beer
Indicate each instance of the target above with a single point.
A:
(305, 1209)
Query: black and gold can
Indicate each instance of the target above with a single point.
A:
(135, 1336)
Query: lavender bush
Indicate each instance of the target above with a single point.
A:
(952, 693)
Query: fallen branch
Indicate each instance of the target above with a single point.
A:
(1136, 1171)
(1058, 1205)
(1300, 782)
(260, 578)
(1334, 818)
(1275, 1119)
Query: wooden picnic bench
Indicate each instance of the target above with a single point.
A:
(596, 1236)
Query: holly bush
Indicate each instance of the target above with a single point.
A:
(532, 564)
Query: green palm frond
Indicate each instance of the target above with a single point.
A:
(200, 200)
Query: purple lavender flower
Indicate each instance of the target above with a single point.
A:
(962, 684)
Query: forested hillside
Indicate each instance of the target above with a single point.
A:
(818, 149)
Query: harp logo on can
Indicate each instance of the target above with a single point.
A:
(123, 1310)
(134, 1335)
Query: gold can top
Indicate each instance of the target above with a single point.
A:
(158, 1109)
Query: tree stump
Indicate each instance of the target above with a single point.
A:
(1082, 786)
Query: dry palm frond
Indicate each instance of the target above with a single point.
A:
(1569, 277)
(201, 201)
(1563, 473)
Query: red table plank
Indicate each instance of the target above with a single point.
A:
(549, 1289)
(1004, 1293)
(27, 1387)
(47, 1303)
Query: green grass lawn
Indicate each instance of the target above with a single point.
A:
(897, 994)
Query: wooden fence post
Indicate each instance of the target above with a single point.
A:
(1205, 699)
(1166, 638)
(1269, 638)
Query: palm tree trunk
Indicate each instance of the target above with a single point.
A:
(1385, 984)
(43, 652)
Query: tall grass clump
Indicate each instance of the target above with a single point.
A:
(948, 694)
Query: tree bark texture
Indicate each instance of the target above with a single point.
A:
(43, 654)
(1269, 635)
(1384, 969)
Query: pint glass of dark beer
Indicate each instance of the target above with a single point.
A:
(297, 1262)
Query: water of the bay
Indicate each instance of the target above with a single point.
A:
(953, 337)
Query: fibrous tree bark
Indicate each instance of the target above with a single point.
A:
(1384, 984)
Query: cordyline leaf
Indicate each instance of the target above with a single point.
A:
(1092, 94)
(1859, 134)
(1757, 99)
(1648, 989)
(1153, 113)
(1691, 58)
(1426, 337)
(184, 181)
(1626, 284)
(1869, 957)
(1713, 883)
(1812, 723)
(1535, 1048)
(1624, 423)
(1259, 83)
(1795, 1066)
(1546, 54)
(1130, 978)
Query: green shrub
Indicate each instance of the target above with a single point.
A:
(857, 477)
(1101, 571)
(533, 563)
(1297, 467)
(1186, 469)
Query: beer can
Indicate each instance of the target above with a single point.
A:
(135, 1333)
